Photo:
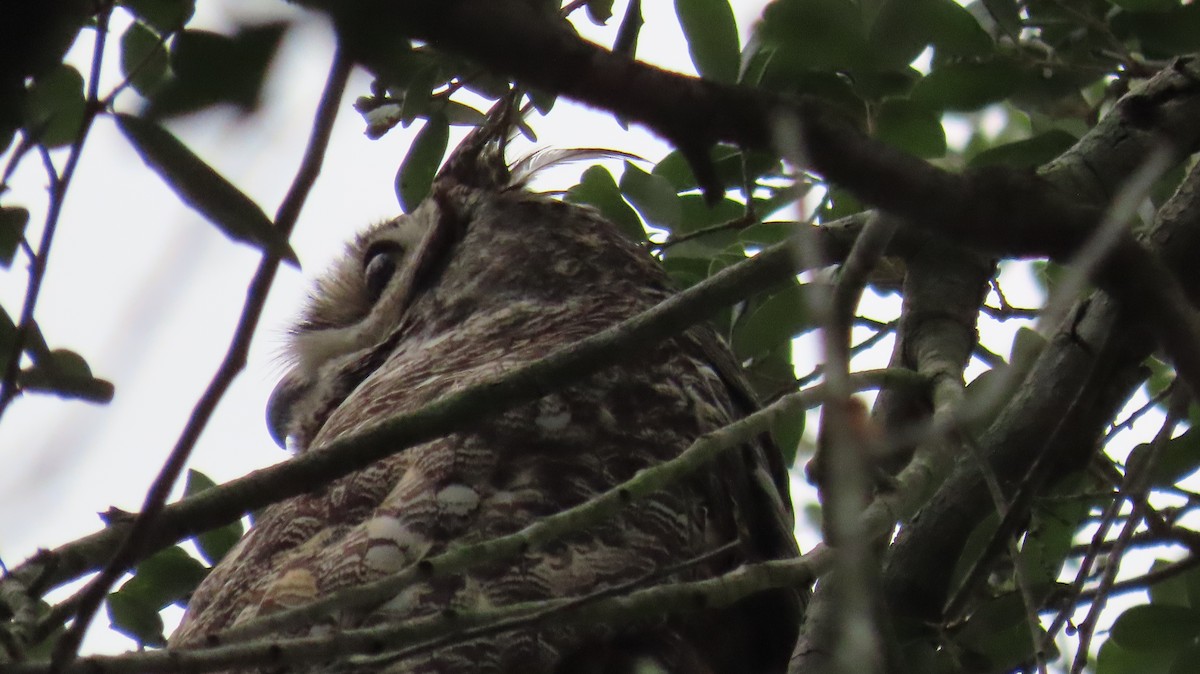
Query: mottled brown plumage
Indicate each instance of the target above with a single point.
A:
(482, 277)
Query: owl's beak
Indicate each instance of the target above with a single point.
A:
(279, 406)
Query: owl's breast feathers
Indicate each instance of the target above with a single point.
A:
(526, 276)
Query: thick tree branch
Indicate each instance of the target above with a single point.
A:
(1052, 422)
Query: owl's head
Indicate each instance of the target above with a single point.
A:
(480, 245)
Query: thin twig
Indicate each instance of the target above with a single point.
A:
(1001, 506)
(58, 194)
(649, 603)
(1144, 581)
(1129, 421)
(739, 223)
(539, 617)
(882, 331)
(233, 363)
(1135, 490)
(844, 471)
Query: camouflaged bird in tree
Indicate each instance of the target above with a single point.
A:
(482, 277)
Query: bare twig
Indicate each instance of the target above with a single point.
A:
(1129, 421)
(234, 361)
(1140, 583)
(639, 606)
(58, 194)
(843, 466)
(539, 617)
(1135, 490)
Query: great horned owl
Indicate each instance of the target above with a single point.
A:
(483, 276)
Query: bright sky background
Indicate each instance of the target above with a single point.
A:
(148, 292)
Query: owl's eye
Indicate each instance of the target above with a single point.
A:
(379, 266)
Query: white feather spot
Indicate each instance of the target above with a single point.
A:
(553, 415)
(457, 500)
(391, 545)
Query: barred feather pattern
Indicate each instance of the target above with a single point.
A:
(520, 275)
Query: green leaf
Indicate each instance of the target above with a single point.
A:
(727, 160)
(712, 37)
(765, 234)
(1052, 528)
(202, 188)
(1156, 627)
(1186, 659)
(166, 578)
(903, 28)
(684, 271)
(816, 34)
(12, 232)
(652, 195)
(212, 69)
(1006, 14)
(697, 215)
(542, 101)
(911, 127)
(674, 168)
(486, 84)
(143, 58)
(788, 431)
(1029, 152)
(1177, 459)
(967, 85)
(418, 97)
(65, 373)
(166, 16)
(54, 106)
(420, 165)
(458, 114)
(1181, 590)
(776, 321)
(599, 11)
(956, 32)
(597, 188)
(8, 333)
(997, 634)
(626, 41)
(135, 617)
(215, 543)
(1112, 659)
(771, 374)
(1171, 33)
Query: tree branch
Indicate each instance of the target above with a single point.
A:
(640, 606)
(1071, 393)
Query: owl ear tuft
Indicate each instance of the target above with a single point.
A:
(478, 161)
(526, 168)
